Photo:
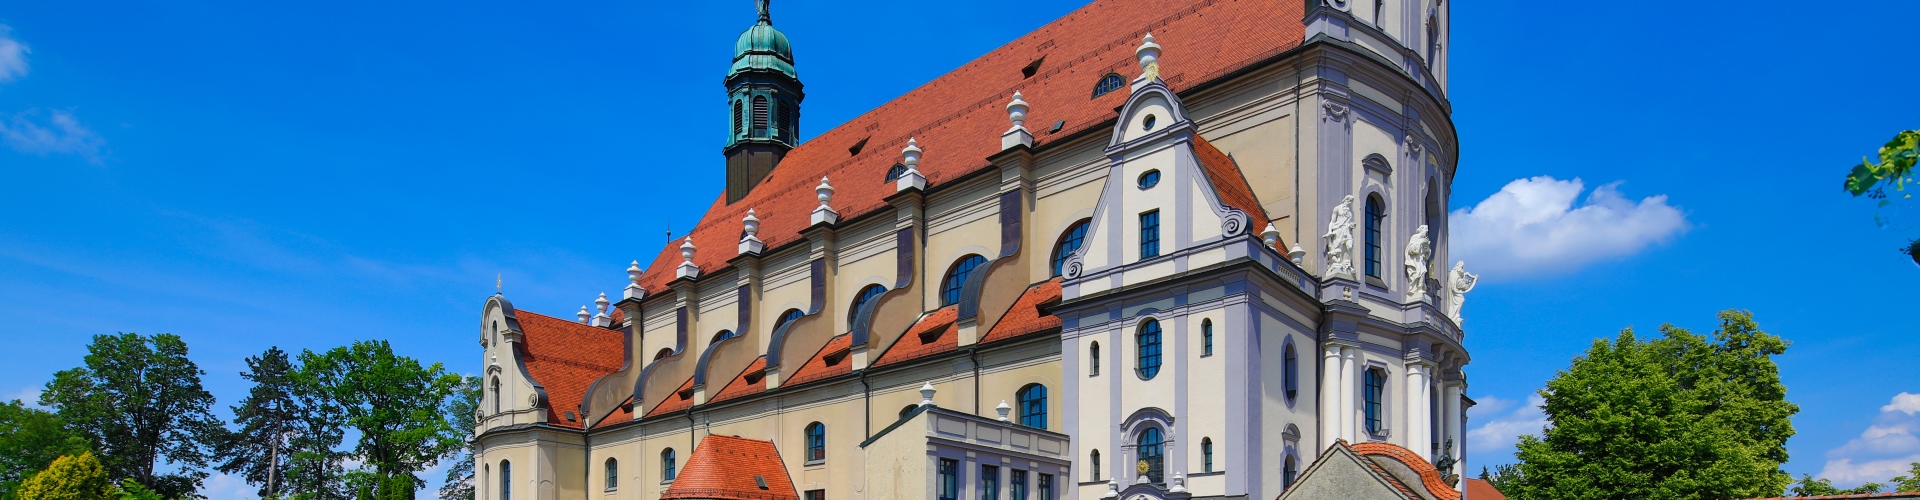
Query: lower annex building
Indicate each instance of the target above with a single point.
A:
(1151, 250)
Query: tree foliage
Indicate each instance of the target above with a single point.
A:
(1682, 416)
(72, 477)
(1808, 487)
(268, 418)
(30, 440)
(393, 401)
(1502, 478)
(462, 407)
(139, 403)
(1910, 481)
(1893, 170)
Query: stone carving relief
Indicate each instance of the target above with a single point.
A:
(1339, 239)
(1459, 282)
(1419, 252)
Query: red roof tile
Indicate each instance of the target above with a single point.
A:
(1429, 476)
(958, 118)
(724, 467)
(681, 399)
(565, 357)
(1025, 317)
(830, 362)
(752, 380)
(1480, 489)
(620, 416)
(933, 334)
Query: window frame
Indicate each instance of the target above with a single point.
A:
(1075, 234)
(1150, 234)
(1044, 487)
(669, 470)
(947, 486)
(866, 293)
(1376, 220)
(1017, 484)
(1206, 337)
(1148, 179)
(816, 443)
(1093, 458)
(1375, 392)
(1093, 357)
(1108, 83)
(1148, 352)
(1206, 455)
(955, 282)
(506, 480)
(1154, 453)
(989, 482)
(613, 474)
(1290, 370)
(1032, 409)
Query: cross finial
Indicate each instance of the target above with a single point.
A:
(496, 283)
(765, 18)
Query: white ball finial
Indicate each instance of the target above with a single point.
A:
(602, 302)
(1003, 410)
(824, 213)
(633, 272)
(584, 314)
(824, 191)
(1017, 110)
(926, 394)
(910, 155)
(1271, 235)
(686, 249)
(751, 224)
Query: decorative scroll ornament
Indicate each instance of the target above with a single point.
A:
(1339, 238)
(1234, 222)
(1333, 111)
(1419, 252)
(1459, 282)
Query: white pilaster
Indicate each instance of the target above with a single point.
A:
(1349, 405)
(1450, 419)
(1330, 395)
(1419, 409)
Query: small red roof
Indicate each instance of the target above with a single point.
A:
(933, 334)
(681, 399)
(565, 357)
(1429, 476)
(1480, 489)
(752, 380)
(726, 468)
(1025, 317)
(830, 362)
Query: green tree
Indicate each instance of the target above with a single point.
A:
(268, 418)
(72, 477)
(139, 403)
(393, 401)
(1681, 416)
(1502, 478)
(1810, 487)
(462, 407)
(30, 440)
(1909, 482)
(1893, 170)
(130, 490)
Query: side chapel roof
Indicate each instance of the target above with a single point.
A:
(565, 357)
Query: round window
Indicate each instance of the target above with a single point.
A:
(1150, 179)
(1147, 124)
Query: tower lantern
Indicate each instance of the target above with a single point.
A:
(763, 95)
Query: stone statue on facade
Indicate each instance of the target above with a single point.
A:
(1419, 252)
(1459, 282)
(1340, 239)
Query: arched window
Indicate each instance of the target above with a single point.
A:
(1108, 83)
(1206, 454)
(664, 352)
(1152, 452)
(666, 465)
(866, 294)
(1093, 360)
(1290, 469)
(1094, 458)
(613, 474)
(739, 119)
(1290, 368)
(1376, 385)
(496, 394)
(760, 116)
(1149, 344)
(1376, 217)
(1033, 406)
(957, 279)
(1206, 337)
(907, 410)
(787, 317)
(1069, 243)
(506, 480)
(723, 335)
(894, 172)
(816, 442)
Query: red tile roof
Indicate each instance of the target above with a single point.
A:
(681, 399)
(958, 118)
(1429, 476)
(620, 416)
(830, 362)
(1480, 489)
(1025, 317)
(565, 357)
(752, 380)
(933, 334)
(724, 467)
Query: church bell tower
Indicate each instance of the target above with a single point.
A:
(763, 95)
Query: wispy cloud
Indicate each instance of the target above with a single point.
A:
(13, 56)
(1885, 449)
(1535, 227)
(44, 132)
(1505, 421)
(26, 395)
(228, 486)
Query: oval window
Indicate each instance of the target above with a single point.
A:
(1150, 179)
(1147, 124)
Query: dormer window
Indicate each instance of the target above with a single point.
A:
(1108, 83)
(893, 174)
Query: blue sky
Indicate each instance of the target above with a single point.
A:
(251, 175)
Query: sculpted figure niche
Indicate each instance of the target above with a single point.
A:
(1459, 282)
(1419, 251)
(1340, 239)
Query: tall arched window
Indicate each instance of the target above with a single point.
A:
(1093, 360)
(760, 116)
(1376, 217)
(1288, 470)
(1094, 459)
(666, 465)
(1290, 368)
(866, 294)
(1069, 243)
(816, 442)
(957, 279)
(496, 394)
(1108, 83)
(787, 317)
(1149, 344)
(1206, 454)
(1033, 406)
(1206, 337)
(506, 480)
(723, 335)
(1152, 452)
(1376, 386)
(613, 474)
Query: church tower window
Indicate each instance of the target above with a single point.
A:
(759, 117)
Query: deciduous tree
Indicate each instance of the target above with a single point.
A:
(30, 439)
(139, 403)
(72, 477)
(462, 408)
(393, 401)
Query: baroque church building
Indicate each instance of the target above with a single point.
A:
(1155, 249)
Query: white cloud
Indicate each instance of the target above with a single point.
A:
(1503, 429)
(29, 396)
(225, 486)
(36, 132)
(13, 56)
(1533, 226)
(1885, 449)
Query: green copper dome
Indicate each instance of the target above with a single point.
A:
(763, 48)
